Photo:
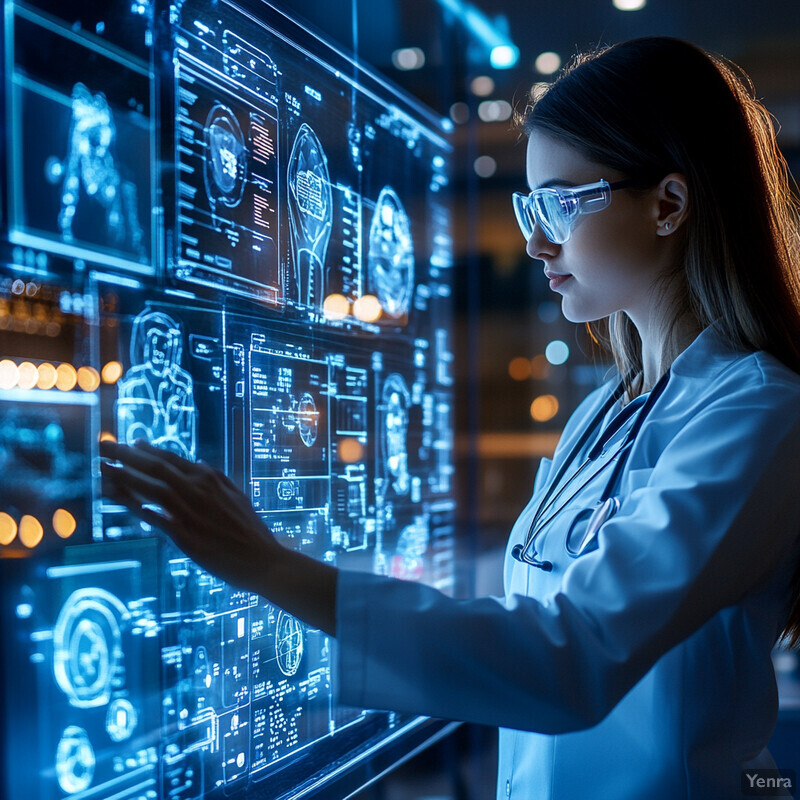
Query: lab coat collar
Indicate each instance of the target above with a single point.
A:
(706, 356)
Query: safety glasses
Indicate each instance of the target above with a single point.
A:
(556, 209)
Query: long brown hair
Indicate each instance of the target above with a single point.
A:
(652, 106)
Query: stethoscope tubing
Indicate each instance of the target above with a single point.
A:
(555, 490)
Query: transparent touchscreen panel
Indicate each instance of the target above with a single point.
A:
(226, 238)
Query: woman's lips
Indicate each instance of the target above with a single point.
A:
(557, 280)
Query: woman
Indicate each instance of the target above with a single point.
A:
(653, 569)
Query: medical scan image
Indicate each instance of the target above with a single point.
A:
(390, 258)
(229, 239)
(310, 214)
(226, 159)
(393, 433)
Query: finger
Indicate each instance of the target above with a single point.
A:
(151, 489)
(166, 455)
(147, 460)
(140, 508)
(125, 452)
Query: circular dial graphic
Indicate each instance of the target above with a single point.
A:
(75, 760)
(307, 416)
(87, 646)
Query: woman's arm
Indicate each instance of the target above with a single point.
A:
(211, 521)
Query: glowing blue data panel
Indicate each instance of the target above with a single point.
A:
(301, 184)
(298, 338)
(90, 643)
(80, 144)
(227, 195)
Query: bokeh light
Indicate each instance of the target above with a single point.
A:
(482, 86)
(336, 306)
(485, 166)
(9, 374)
(28, 375)
(408, 58)
(111, 372)
(350, 450)
(540, 367)
(88, 379)
(64, 524)
(367, 308)
(548, 62)
(66, 377)
(47, 376)
(30, 531)
(8, 528)
(519, 368)
(494, 110)
(544, 407)
(557, 352)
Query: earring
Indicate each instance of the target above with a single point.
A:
(667, 226)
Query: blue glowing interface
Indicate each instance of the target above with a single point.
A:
(221, 234)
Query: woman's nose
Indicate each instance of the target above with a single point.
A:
(539, 246)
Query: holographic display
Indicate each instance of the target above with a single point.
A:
(227, 238)
(80, 139)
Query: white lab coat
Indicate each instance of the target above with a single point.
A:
(640, 670)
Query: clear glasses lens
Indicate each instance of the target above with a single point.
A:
(555, 211)
(548, 209)
(554, 215)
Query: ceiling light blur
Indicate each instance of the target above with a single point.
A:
(494, 110)
(557, 352)
(482, 86)
(485, 166)
(408, 58)
(547, 63)
(504, 56)
(629, 5)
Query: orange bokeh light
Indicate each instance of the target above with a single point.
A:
(64, 523)
(30, 531)
(88, 379)
(8, 528)
(66, 377)
(544, 407)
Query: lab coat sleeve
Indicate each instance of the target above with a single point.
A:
(718, 513)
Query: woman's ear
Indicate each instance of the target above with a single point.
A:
(673, 203)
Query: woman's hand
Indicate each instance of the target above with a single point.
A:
(199, 507)
(214, 524)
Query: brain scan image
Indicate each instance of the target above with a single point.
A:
(310, 214)
(155, 400)
(226, 157)
(90, 164)
(390, 257)
(394, 431)
(288, 644)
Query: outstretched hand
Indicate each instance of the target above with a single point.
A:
(214, 524)
(200, 508)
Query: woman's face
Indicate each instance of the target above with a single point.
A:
(612, 259)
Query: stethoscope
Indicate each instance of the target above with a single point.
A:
(607, 505)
